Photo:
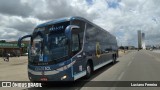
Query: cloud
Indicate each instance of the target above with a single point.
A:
(15, 7)
(120, 17)
(24, 25)
(49, 10)
(6, 33)
(129, 17)
(12, 27)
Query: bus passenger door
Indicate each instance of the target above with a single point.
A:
(74, 35)
(76, 45)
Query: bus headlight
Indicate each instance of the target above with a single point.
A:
(63, 77)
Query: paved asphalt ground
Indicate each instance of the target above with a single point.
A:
(134, 66)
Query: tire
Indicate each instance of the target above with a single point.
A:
(114, 58)
(88, 71)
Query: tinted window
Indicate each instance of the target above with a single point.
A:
(75, 43)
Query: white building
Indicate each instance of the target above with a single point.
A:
(143, 41)
(139, 39)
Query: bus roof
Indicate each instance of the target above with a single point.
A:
(60, 20)
(68, 19)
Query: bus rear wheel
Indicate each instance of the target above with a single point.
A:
(88, 70)
(114, 58)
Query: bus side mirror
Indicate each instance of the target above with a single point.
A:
(68, 30)
(20, 40)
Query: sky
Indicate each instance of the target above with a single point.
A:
(122, 18)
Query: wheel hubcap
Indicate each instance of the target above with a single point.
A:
(88, 69)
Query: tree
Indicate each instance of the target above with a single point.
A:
(2, 41)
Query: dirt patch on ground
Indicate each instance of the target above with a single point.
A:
(14, 60)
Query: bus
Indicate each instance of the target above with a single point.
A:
(67, 49)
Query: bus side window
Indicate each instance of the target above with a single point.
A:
(81, 39)
(75, 43)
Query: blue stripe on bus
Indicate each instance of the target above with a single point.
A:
(72, 68)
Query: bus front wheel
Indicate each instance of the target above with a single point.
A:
(88, 70)
(114, 56)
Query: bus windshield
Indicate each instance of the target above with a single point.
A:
(38, 49)
(55, 48)
(58, 47)
(49, 44)
(37, 46)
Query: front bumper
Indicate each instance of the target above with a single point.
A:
(65, 75)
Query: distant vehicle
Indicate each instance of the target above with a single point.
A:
(68, 49)
(13, 54)
(9, 54)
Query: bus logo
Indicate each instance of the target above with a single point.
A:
(98, 50)
(42, 68)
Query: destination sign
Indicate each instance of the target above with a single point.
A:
(58, 27)
(53, 28)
